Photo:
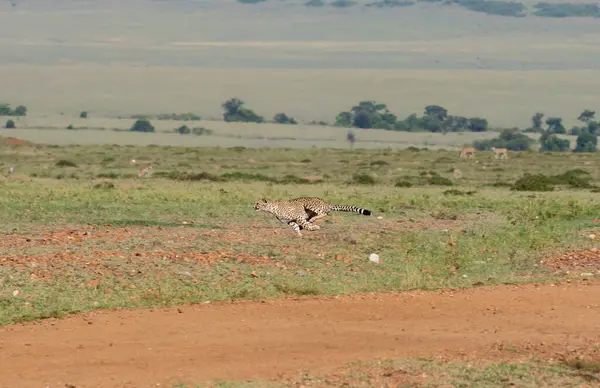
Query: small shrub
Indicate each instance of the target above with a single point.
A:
(282, 118)
(65, 163)
(108, 175)
(536, 182)
(142, 125)
(501, 184)
(403, 183)
(200, 131)
(70, 126)
(104, 185)
(315, 3)
(293, 179)
(10, 124)
(576, 178)
(440, 181)
(83, 115)
(459, 192)
(379, 163)
(183, 130)
(184, 176)
(244, 176)
(363, 179)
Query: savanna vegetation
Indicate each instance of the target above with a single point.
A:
(490, 7)
(374, 115)
(490, 224)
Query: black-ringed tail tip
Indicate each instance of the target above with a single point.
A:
(301, 213)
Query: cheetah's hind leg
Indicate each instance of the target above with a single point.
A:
(308, 225)
(317, 217)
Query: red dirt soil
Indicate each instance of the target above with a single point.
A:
(15, 141)
(265, 340)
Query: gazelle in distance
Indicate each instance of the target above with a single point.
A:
(457, 173)
(467, 152)
(501, 153)
(145, 171)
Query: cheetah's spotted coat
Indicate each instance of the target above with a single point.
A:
(300, 213)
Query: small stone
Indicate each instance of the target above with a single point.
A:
(374, 257)
(586, 274)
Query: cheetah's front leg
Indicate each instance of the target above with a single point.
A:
(296, 227)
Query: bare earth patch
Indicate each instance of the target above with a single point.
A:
(586, 261)
(278, 339)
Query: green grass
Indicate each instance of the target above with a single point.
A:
(432, 373)
(143, 242)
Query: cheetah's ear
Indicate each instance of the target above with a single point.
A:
(264, 200)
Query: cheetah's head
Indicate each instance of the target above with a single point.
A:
(260, 205)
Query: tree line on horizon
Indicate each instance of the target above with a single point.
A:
(490, 7)
(370, 114)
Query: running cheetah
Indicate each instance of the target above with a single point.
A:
(300, 213)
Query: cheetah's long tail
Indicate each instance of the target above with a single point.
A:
(353, 209)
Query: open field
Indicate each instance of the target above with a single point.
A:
(82, 232)
(487, 276)
(247, 135)
(504, 98)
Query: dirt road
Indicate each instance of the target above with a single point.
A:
(253, 340)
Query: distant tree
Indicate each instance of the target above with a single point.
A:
(586, 142)
(436, 111)
(456, 123)
(552, 143)
(10, 124)
(367, 114)
(235, 112)
(432, 123)
(5, 110)
(566, 9)
(282, 118)
(343, 119)
(142, 125)
(593, 127)
(183, 130)
(315, 3)
(586, 115)
(510, 139)
(83, 115)
(555, 125)
(477, 124)
(536, 123)
(21, 110)
(342, 3)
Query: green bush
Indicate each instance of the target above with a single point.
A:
(142, 125)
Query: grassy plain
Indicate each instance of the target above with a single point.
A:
(56, 94)
(82, 231)
(434, 373)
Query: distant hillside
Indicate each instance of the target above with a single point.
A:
(422, 34)
(514, 8)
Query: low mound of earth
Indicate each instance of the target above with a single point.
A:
(276, 339)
